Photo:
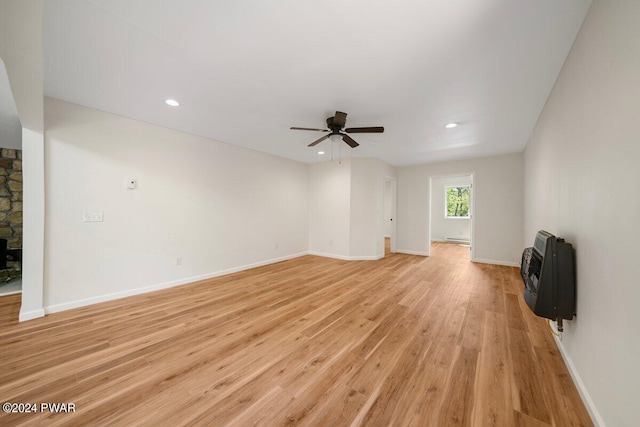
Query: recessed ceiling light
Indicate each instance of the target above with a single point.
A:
(172, 102)
(450, 125)
(321, 152)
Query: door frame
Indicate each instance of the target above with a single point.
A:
(394, 189)
(472, 206)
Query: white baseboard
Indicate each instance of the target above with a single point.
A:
(491, 261)
(366, 258)
(403, 251)
(28, 315)
(584, 394)
(130, 292)
(326, 255)
(347, 258)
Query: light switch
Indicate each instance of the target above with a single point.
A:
(92, 217)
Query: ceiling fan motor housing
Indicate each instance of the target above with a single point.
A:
(330, 124)
(335, 128)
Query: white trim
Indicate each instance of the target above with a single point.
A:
(458, 240)
(347, 258)
(366, 258)
(584, 394)
(28, 315)
(394, 212)
(4, 294)
(491, 261)
(335, 256)
(472, 222)
(33, 165)
(402, 251)
(117, 295)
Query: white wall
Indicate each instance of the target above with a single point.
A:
(21, 52)
(388, 200)
(10, 127)
(387, 173)
(581, 183)
(219, 207)
(367, 207)
(346, 208)
(498, 185)
(441, 226)
(329, 208)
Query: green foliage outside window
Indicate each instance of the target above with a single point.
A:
(457, 202)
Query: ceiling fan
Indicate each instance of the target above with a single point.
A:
(335, 127)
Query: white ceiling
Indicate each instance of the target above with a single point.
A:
(245, 71)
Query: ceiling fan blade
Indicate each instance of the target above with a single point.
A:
(318, 141)
(318, 130)
(374, 129)
(349, 141)
(339, 119)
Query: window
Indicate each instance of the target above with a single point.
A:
(457, 201)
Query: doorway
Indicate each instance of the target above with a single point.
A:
(451, 221)
(11, 194)
(389, 215)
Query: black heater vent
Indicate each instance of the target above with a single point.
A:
(549, 279)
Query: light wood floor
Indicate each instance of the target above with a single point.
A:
(406, 340)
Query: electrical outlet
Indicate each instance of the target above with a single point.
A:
(92, 217)
(179, 260)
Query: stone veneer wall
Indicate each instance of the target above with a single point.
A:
(11, 197)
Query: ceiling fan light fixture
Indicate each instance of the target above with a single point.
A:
(335, 137)
(451, 125)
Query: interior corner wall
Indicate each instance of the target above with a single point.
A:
(388, 200)
(218, 207)
(581, 184)
(330, 208)
(367, 207)
(21, 52)
(497, 189)
(346, 208)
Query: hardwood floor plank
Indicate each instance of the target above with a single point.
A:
(513, 312)
(527, 391)
(472, 327)
(311, 402)
(458, 401)
(405, 340)
(494, 406)
(561, 396)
